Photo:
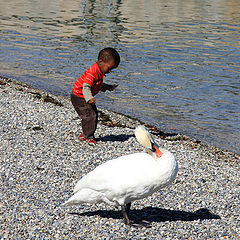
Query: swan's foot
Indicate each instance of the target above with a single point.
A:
(142, 224)
(125, 212)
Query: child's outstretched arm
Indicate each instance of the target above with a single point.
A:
(108, 87)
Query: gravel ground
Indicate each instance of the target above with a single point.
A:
(42, 159)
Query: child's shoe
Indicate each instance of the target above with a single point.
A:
(81, 137)
(91, 141)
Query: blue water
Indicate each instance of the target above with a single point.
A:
(179, 66)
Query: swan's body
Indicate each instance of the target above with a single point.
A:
(120, 181)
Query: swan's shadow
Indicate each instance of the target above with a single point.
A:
(115, 138)
(154, 214)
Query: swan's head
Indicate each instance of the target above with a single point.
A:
(145, 138)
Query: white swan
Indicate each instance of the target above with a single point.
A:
(120, 181)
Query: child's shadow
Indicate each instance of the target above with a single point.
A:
(154, 214)
(115, 138)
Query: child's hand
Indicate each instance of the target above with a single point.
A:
(112, 87)
(91, 101)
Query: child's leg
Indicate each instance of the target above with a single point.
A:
(88, 114)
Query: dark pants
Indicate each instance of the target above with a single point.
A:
(88, 114)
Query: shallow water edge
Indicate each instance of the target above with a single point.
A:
(114, 119)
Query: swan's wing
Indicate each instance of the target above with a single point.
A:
(117, 173)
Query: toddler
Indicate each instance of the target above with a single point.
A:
(87, 86)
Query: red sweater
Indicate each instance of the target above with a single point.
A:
(92, 76)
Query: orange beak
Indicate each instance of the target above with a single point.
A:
(157, 151)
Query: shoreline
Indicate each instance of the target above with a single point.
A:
(41, 160)
(109, 118)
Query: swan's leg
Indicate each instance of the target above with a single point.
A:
(128, 205)
(125, 212)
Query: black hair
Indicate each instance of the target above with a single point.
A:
(108, 54)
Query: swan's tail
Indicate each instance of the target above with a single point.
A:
(85, 195)
(70, 202)
(77, 199)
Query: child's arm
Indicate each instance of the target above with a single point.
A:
(108, 87)
(88, 94)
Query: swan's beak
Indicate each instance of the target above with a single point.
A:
(156, 150)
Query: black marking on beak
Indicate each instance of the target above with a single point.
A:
(153, 149)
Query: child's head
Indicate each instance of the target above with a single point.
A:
(108, 59)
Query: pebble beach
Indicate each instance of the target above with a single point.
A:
(42, 159)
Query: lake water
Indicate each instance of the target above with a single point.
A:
(180, 60)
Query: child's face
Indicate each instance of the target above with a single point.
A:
(106, 67)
